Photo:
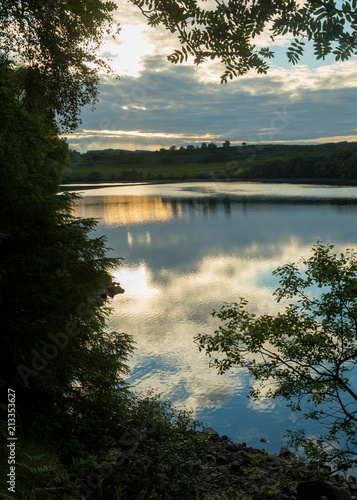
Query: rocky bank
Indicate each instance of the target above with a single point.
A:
(242, 472)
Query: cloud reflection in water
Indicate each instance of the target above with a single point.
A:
(184, 257)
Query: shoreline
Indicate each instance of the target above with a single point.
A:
(282, 180)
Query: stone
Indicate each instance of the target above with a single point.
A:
(232, 447)
(114, 289)
(213, 435)
(221, 459)
(285, 452)
(245, 458)
(314, 490)
(210, 431)
(223, 480)
(235, 467)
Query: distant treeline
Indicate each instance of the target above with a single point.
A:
(332, 160)
(336, 162)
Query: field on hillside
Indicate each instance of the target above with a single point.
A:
(333, 160)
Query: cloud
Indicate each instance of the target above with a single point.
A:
(156, 104)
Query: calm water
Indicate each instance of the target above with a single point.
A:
(190, 247)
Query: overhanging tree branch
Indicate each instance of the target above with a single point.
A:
(308, 351)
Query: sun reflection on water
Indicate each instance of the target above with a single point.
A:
(184, 259)
(127, 210)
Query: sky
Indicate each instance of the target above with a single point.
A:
(156, 104)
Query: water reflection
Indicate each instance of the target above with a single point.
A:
(184, 257)
(127, 210)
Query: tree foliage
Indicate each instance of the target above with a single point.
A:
(58, 356)
(230, 31)
(306, 354)
(57, 352)
(62, 365)
(57, 43)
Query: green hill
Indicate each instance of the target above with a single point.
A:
(269, 161)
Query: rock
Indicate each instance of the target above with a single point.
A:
(285, 452)
(113, 289)
(210, 431)
(222, 469)
(232, 447)
(212, 434)
(263, 440)
(253, 451)
(235, 467)
(338, 478)
(245, 458)
(314, 490)
(223, 479)
(254, 473)
(221, 459)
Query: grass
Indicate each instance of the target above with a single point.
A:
(333, 160)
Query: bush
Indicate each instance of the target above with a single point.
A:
(167, 453)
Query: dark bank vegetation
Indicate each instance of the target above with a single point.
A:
(64, 403)
(64, 367)
(333, 161)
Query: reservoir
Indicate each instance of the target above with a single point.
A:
(190, 247)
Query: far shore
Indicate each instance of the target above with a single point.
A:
(287, 180)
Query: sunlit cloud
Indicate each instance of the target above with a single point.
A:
(336, 75)
(136, 133)
(156, 104)
(126, 54)
(132, 43)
